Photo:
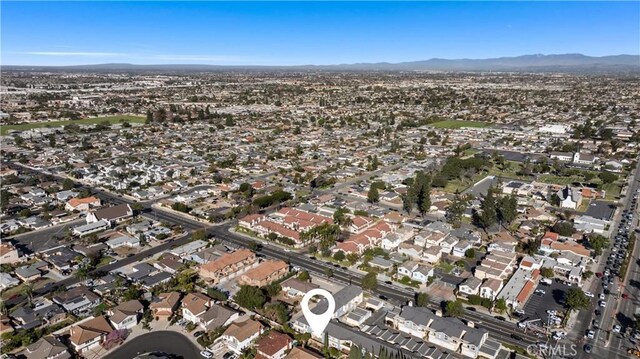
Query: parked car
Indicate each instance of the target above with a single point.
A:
(206, 354)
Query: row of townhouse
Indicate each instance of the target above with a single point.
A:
(449, 333)
(287, 222)
(366, 239)
(497, 265)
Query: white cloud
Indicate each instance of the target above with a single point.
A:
(146, 57)
(73, 53)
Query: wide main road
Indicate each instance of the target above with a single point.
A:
(500, 330)
(607, 344)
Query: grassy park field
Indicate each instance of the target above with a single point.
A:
(458, 124)
(86, 121)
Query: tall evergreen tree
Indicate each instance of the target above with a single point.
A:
(424, 199)
(488, 217)
(507, 209)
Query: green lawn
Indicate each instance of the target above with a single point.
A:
(446, 267)
(86, 121)
(612, 190)
(559, 180)
(458, 124)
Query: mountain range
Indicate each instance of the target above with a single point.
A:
(525, 63)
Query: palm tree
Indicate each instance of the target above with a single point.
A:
(28, 292)
(82, 273)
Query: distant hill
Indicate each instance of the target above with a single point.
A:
(525, 63)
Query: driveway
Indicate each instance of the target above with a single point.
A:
(160, 341)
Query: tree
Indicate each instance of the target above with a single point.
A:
(249, 297)
(456, 210)
(5, 196)
(27, 291)
(547, 272)
(373, 196)
(453, 309)
(423, 299)
(424, 196)
(199, 235)
(304, 276)
(488, 216)
(131, 293)
(82, 273)
(607, 177)
(597, 243)
(575, 299)
(328, 272)
(470, 253)
(500, 305)
(507, 209)
(272, 289)
(339, 256)
(407, 203)
(564, 228)
(217, 294)
(340, 218)
(370, 281)
(277, 312)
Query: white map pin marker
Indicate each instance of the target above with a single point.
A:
(318, 322)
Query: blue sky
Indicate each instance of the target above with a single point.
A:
(265, 33)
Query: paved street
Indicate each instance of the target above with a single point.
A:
(43, 239)
(607, 344)
(499, 329)
(169, 342)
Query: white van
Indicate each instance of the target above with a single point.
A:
(546, 281)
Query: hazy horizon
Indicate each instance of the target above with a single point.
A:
(294, 34)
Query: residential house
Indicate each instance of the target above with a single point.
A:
(432, 254)
(126, 314)
(265, 273)
(82, 204)
(295, 288)
(195, 304)
(406, 269)
(411, 250)
(43, 312)
(274, 345)
(422, 273)
(241, 334)
(77, 300)
(9, 253)
(123, 241)
(165, 304)
(47, 347)
(89, 228)
(461, 248)
(31, 271)
(227, 265)
(217, 316)
(302, 353)
(490, 288)
(114, 214)
(446, 245)
(471, 286)
(7, 281)
(89, 334)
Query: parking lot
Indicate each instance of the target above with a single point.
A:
(537, 305)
